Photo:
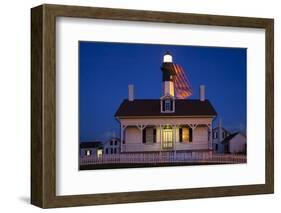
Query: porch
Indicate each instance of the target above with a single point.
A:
(166, 135)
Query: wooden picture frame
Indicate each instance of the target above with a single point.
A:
(43, 105)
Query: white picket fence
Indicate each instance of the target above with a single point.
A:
(163, 157)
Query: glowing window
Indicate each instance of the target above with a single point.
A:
(185, 134)
(88, 152)
(99, 152)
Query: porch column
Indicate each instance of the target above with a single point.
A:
(141, 130)
(121, 137)
(161, 135)
(211, 137)
(174, 136)
(174, 140)
(141, 127)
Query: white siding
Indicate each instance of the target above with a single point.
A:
(200, 134)
(191, 146)
(158, 135)
(115, 147)
(177, 134)
(132, 135)
(141, 147)
(237, 144)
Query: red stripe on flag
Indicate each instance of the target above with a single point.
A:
(182, 85)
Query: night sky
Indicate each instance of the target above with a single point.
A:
(106, 69)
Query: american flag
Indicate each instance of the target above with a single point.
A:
(182, 86)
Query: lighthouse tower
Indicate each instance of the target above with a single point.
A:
(167, 101)
(168, 74)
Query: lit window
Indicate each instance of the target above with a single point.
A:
(185, 134)
(99, 152)
(88, 152)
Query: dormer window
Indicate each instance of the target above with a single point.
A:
(167, 105)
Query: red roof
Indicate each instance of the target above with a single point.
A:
(151, 107)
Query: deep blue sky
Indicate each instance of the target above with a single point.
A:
(106, 69)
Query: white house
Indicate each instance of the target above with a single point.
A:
(112, 146)
(226, 142)
(219, 134)
(167, 123)
(235, 143)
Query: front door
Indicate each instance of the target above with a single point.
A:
(167, 142)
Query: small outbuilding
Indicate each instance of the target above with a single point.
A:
(93, 148)
(235, 143)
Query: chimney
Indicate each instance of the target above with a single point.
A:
(131, 92)
(202, 92)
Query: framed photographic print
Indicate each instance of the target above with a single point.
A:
(137, 106)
